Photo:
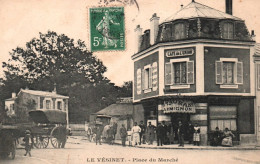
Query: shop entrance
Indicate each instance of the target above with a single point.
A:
(184, 118)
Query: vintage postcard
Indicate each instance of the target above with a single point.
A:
(129, 81)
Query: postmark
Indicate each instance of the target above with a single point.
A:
(107, 28)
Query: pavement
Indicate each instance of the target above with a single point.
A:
(79, 139)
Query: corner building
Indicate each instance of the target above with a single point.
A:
(197, 66)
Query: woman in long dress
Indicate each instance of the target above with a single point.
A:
(196, 135)
(227, 138)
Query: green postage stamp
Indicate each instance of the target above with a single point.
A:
(107, 28)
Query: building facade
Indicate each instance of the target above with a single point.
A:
(197, 66)
(27, 100)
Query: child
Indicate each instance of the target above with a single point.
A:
(28, 142)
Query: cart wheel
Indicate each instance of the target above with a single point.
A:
(54, 142)
(41, 142)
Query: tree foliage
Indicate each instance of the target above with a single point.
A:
(57, 59)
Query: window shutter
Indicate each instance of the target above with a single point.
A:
(239, 73)
(258, 76)
(150, 78)
(190, 72)
(143, 79)
(218, 69)
(154, 77)
(168, 74)
(138, 81)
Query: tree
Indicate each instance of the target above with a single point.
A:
(57, 59)
(126, 89)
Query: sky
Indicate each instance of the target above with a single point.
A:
(22, 20)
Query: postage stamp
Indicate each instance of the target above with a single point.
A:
(107, 28)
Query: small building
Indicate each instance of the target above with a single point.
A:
(197, 66)
(27, 100)
(122, 112)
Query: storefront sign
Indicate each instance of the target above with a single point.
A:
(180, 52)
(178, 106)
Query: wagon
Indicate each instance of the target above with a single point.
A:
(8, 140)
(50, 127)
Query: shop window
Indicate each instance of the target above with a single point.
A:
(228, 30)
(48, 104)
(59, 105)
(223, 117)
(229, 72)
(147, 78)
(179, 31)
(179, 73)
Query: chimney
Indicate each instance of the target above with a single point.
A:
(229, 7)
(13, 95)
(54, 89)
(181, 6)
(138, 38)
(154, 23)
(253, 35)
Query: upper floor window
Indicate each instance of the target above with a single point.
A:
(179, 31)
(147, 78)
(229, 72)
(48, 104)
(179, 73)
(59, 105)
(228, 30)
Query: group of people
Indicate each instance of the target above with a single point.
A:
(224, 138)
(165, 134)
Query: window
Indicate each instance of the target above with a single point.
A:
(179, 31)
(59, 105)
(223, 117)
(228, 31)
(147, 78)
(179, 73)
(48, 104)
(229, 72)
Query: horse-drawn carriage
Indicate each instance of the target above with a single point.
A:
(51, 127)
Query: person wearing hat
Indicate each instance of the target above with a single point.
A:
(28, 143)
(150, 133)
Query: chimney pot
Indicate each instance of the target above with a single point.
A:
(229, 7)
(253, 35)
(154, 28)
(13, 94)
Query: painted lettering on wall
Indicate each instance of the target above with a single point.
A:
(180, 52)
(178, 106)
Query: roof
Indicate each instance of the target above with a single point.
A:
(197, 10)
(257, 49)
(11, 99)
(48, 116)
(117, 110)
(43, 93)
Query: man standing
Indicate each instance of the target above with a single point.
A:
(142, 137)
(181, 132)
(190, 132)
(123, 134)
(159, 132)
(165, 130)
(135, 132)
(150, 133)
